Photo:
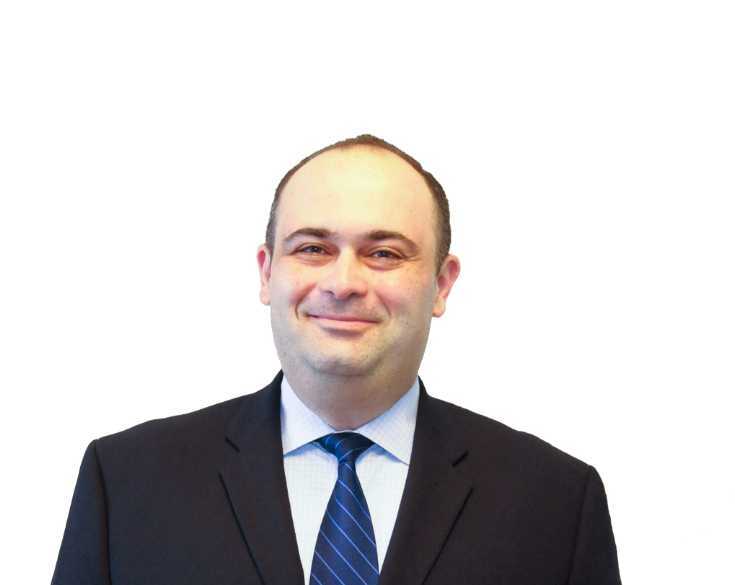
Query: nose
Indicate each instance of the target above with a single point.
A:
(344, 278)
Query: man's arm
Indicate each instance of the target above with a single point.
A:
(595, 559)
(83, 558)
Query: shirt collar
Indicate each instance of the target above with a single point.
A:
(393, 430)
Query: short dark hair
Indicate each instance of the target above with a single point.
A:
(443, 228)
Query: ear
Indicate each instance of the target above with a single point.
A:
(444, 281)
(264, 258)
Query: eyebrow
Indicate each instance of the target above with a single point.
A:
(374, 235)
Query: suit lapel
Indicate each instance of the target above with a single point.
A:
(253, 476)
(433, 498)
(256, 487)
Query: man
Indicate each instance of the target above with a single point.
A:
(343, 469)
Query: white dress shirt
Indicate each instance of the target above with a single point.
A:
(311, 472)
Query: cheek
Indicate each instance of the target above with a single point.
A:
(410, 298)
(290, 287)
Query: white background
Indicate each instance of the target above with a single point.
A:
(587, 150)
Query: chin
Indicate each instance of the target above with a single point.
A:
(342, 365)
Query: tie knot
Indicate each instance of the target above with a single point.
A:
(346, 447)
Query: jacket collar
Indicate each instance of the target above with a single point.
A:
(255, 483)
(435, 494)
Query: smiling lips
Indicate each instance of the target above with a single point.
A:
(342, 322)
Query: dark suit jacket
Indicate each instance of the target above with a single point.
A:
(201, 499)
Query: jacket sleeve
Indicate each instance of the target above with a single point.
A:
(83, 557)
(595, 560)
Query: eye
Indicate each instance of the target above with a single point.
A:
(386, 254)
(311, 249)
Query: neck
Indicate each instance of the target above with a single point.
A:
(348, 402)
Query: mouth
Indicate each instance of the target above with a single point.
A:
(342, 322)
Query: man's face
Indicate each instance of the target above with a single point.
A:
(352, 280)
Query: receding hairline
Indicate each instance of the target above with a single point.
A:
(375, 149)
(344, 149)
(441, 205)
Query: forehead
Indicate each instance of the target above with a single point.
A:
(357, 190)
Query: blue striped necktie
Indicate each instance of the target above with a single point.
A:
(345, 552)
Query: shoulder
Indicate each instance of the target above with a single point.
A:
(186, 440)
(202, 424)
(492, 445)
(198, 424)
